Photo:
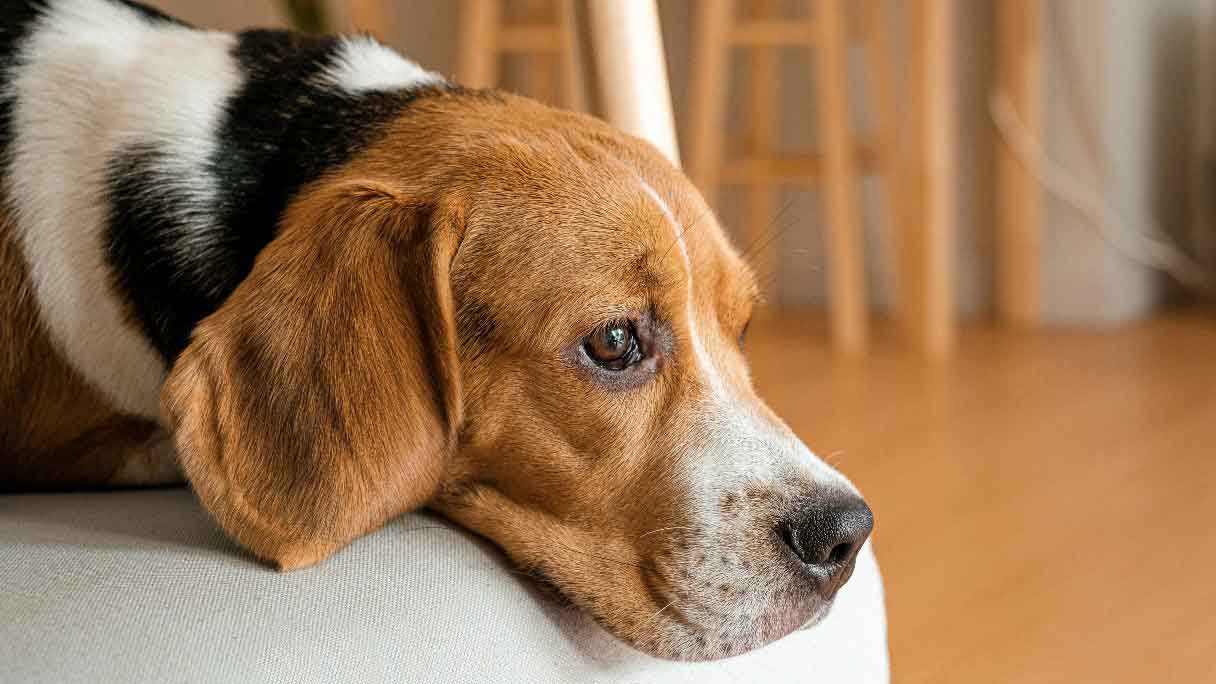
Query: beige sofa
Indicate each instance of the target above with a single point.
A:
(142, 587)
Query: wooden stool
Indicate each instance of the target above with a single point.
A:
(617, 42)
(829, 30)
(545, 37)
(762, 34)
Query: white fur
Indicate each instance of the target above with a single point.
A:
(735, 426)
(708, 370)
(95, 77)
(363, 64)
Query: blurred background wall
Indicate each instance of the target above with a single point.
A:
(1120, 107)
(1120, 110)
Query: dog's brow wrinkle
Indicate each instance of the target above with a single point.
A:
(650, 277)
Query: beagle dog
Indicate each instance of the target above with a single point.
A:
(324, 287)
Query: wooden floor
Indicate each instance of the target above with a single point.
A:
(1045, 504)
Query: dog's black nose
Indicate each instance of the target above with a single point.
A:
(827, 535)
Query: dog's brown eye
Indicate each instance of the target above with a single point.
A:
(613, 346)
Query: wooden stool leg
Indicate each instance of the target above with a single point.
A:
(571, 86)
(876, 41)
(545, 85)
(707, 104)
(878, 47)
(762, 79)
(479, 22)
(368, 15)
(543, 66)
(626, 52)
(927, 243)
(847, 285)
(1018, 238)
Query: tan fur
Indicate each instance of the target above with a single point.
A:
(322, 397)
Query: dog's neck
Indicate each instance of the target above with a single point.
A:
(178, 149)
(279, 132)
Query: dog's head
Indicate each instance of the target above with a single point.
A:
(533, 324)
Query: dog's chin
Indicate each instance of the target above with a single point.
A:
(700, 644)
(666, 632)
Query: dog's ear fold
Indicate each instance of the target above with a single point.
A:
(324, 396)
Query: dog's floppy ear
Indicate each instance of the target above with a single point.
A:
(323, 397)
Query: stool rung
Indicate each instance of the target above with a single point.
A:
(532, 38)
(801, 167)
(771, 32)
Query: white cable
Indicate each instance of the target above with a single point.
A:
(1151, 248)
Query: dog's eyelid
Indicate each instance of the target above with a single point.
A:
(649, 342)
(642, 315)
(588, 329)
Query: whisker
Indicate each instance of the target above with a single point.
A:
(772, 222)
(686, 230)
(766, 280)
(768, 236)
(604, 558)
(664, 529)
(832, 456)
(656, 614)
(429, 527)
(771, 239)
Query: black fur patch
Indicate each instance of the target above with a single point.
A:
(146, 223)
(17, 17)
(280, 132)
(283, 132)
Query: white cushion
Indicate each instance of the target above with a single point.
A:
(142, 587)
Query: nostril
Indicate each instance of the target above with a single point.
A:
(840, 553)
(827, 535)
